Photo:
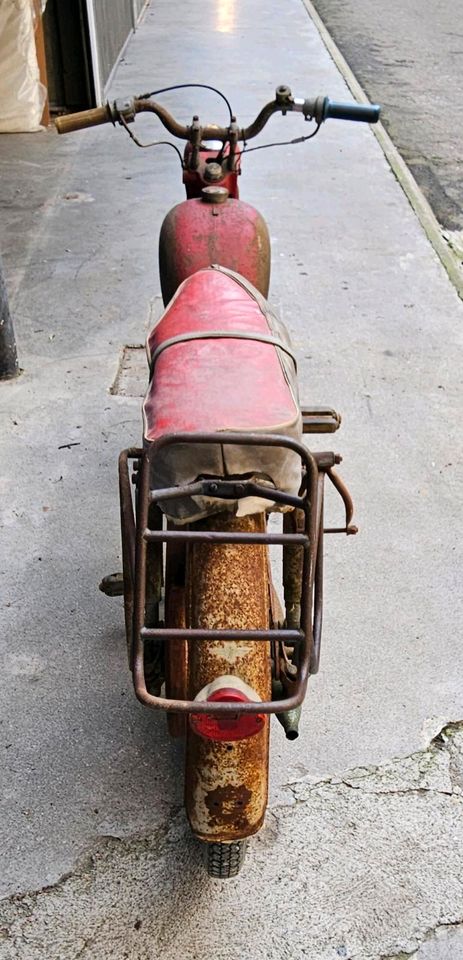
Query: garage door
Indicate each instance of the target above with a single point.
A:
(110, 23)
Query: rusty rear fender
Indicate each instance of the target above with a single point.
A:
(226, 783)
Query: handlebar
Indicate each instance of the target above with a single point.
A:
(366, 113)
(86, 118)
(124, 112)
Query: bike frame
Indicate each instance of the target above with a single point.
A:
(195, 234)
(226, 784)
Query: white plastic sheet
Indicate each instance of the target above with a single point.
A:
(22, 96)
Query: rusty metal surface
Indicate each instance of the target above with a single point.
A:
(293, 560)
(112, 585)
(226, 784)
(211, 131)
(320, 420)
(294, 636)
(297, 692)
(222, 536)
(225, 171)
(341, 488)
(315, 467)
(195, 235)
(225, 490)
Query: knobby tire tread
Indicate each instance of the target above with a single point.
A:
(224, 860)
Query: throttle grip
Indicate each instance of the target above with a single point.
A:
(364, 112)
(86, 118)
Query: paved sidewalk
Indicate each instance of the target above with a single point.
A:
(339, 871)
(408, 57)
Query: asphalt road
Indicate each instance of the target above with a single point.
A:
(408, 56)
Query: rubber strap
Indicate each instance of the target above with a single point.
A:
(221, 335)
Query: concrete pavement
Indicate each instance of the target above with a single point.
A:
(89, 774)
(353, 866)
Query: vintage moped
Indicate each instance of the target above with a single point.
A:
(209, 640)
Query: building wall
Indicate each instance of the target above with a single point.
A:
(113, 23)
(80, 44)
(138, 5)
(110, 25)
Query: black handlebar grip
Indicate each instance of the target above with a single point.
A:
(366, 113)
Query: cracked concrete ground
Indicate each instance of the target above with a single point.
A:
(383, 855)
(378, 332)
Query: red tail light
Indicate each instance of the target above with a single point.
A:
(233, 726)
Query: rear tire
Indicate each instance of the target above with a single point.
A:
(224, 860)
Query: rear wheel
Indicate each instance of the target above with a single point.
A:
(224, 860)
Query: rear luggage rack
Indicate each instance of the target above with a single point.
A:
(136, 535)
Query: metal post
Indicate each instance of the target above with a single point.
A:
(134, 14)
(94, 53)
(9, 367)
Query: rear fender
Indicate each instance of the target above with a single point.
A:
(226, 783)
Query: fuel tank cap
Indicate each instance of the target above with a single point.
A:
(214, 194)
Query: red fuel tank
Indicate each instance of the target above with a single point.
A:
(213, 229)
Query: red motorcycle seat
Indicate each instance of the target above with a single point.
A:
(215, 384)
(211, 382)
